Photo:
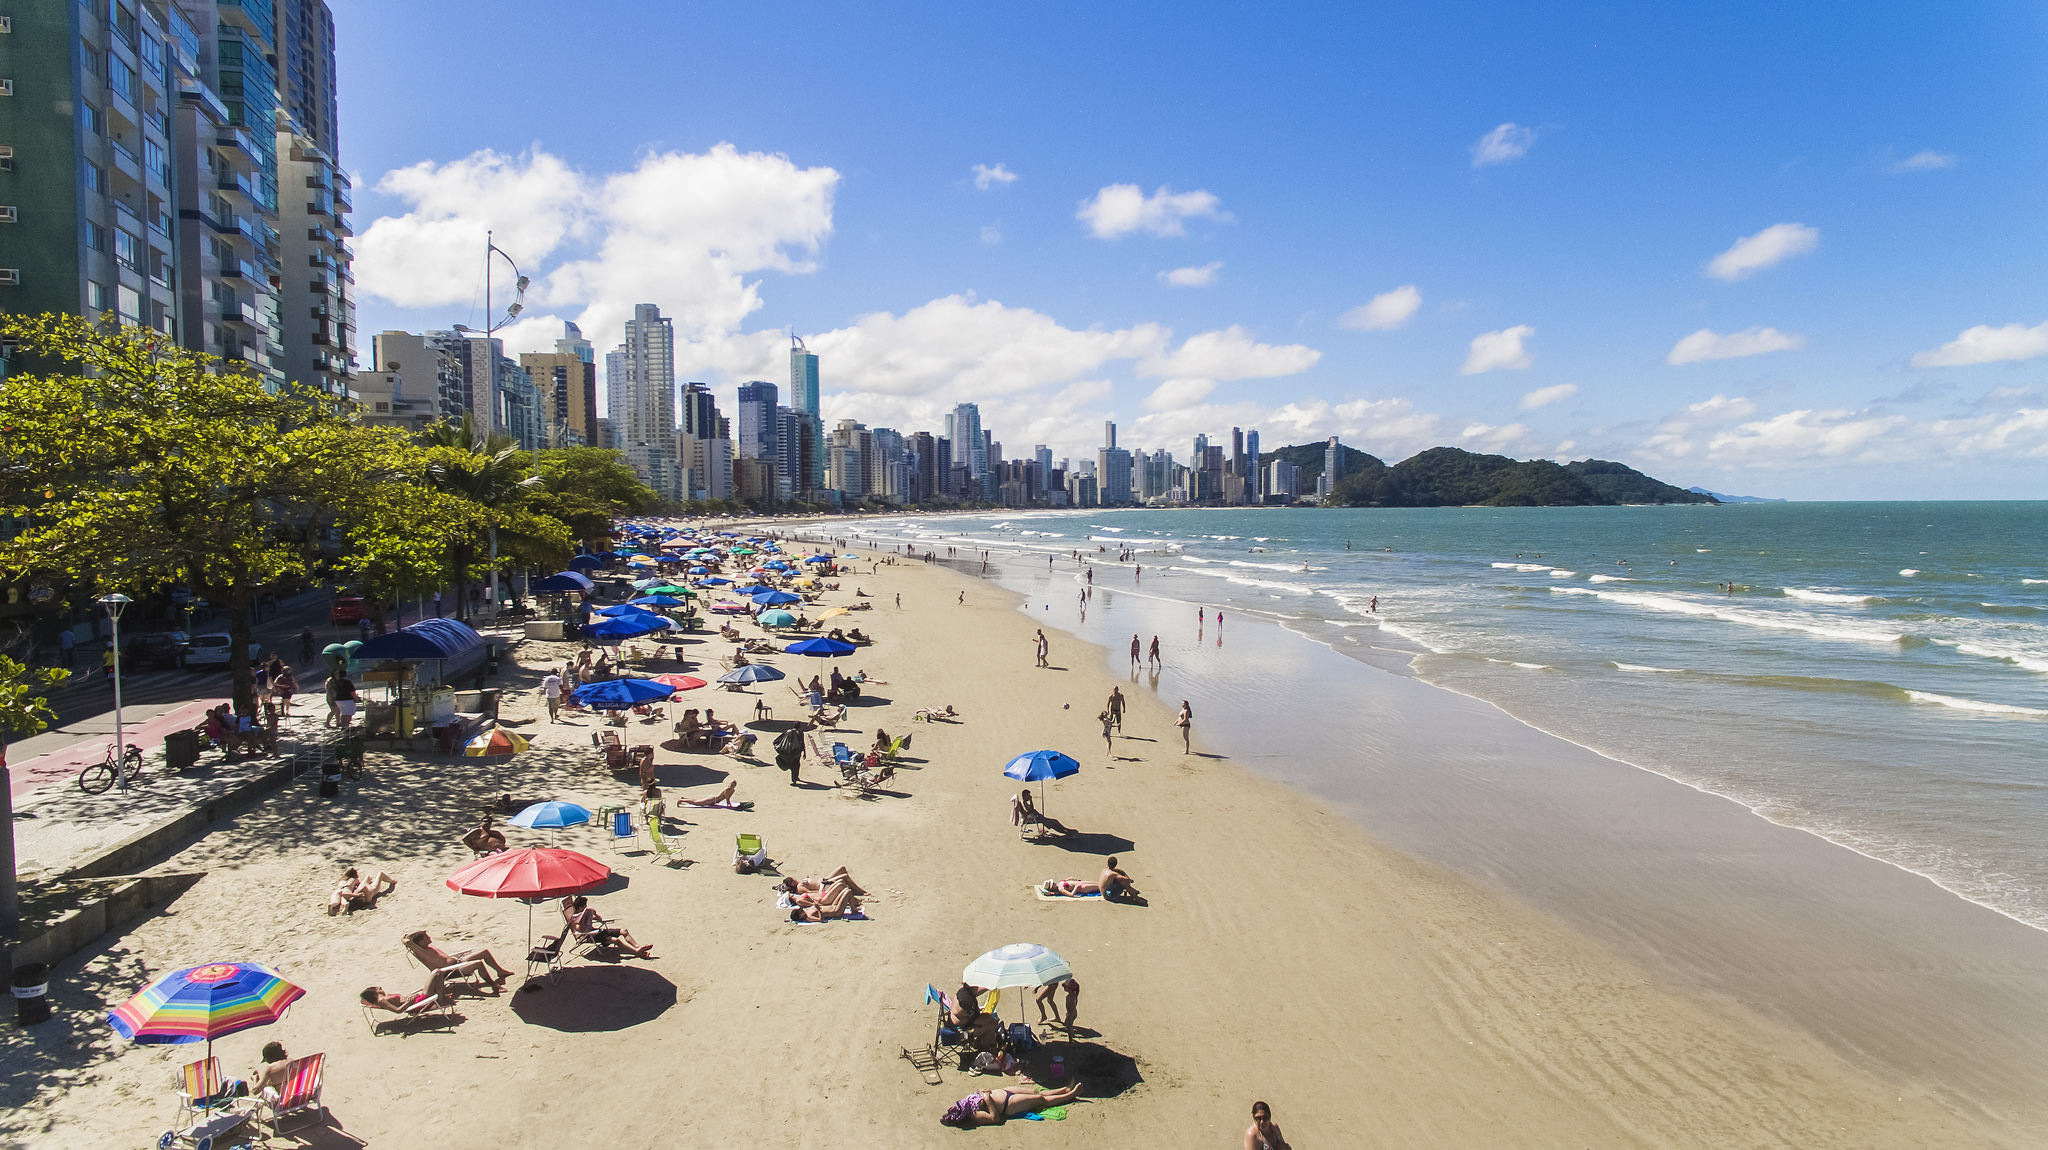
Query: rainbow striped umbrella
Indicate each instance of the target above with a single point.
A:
(204, 1003)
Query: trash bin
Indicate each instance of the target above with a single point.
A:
(181, 749)
(31, 990)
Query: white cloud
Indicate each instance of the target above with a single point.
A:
(1179, 393)
(986, 177)
(1384, 312)
(1499, 349)
(680, 229)
(1925, 162)
(1706, 344)
(1752, 254)
(1545, 396)
(1724, 430)
(1486, 437)
(1390, 428)
(1192, 277)
(1987, 344)
(1120, 209)
(1503, 145)
(992, 234)
(1229, 354)
(960, 346)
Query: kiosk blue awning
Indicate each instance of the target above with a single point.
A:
(426, 639)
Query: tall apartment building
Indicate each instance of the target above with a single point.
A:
(846, 453)
(1283, 481)
(1333, 467)
(970, 445)
(423, 374)
(1112, 470)
(796, 440)
(641, 380)
(317, 292)
(1254, 477)
(803, 397)
(759, 426)
(565, 382)
(706, 444)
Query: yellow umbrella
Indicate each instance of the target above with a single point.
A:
(497, 742)
(836, 611)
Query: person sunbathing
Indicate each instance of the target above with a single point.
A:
(421, 945)
(854, 636)
(435, 994)
(1070, 887)
(810, 889)
(1024, 813)
(883, 743)
(269, 1079)
(485, 839)
(739, 744)
(586, 925)
(357, 891)
(995, 1107)
(717, 727)
(721, 799)
(836, 901)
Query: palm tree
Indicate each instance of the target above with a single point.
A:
(485, 468)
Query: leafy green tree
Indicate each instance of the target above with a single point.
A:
(589, 488)
(146, 464)
(23, 711)
(489, 471)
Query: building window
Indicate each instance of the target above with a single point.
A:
(127, 250)
(96, 296)
(123, 19)
(131, 304)
(95, 120)
(95, 178)
(155, 161)
(121, 78)
(95, 236)
(89, 59)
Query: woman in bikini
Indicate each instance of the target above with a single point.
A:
(721, 799)
(995, 1107)
(1262, 1134)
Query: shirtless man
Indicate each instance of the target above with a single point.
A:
(1116, 701)
(484, 838)
(421, 946)
(268, 1080)
(358, 891)
(1023, 813)
(1114, 882)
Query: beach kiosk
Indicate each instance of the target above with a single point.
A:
(405, 675)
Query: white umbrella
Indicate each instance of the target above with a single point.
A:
(1018, 964)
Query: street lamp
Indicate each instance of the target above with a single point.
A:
(114, 604)
(491, 325)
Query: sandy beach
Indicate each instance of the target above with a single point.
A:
(1372, 998)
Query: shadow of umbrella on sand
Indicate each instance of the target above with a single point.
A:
(592, 999)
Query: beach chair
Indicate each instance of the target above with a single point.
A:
(896, 748)
(621, 825)
(550, 956)
(662, 850)
(614, 752)
(301, 1094)
(944, 1033)
(470, 980)
(825, 761)
(200, 1094)
(748, 846)
(424, 1008)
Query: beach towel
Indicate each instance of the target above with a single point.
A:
(1049, 1114)
(743, 806)
(1039, 892)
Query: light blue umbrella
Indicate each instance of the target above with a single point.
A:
(751, 673)
(550, 816)
(776, 618)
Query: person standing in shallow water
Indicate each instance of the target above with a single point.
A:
(1153, 657)
(1136, 647)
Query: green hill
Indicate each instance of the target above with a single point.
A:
(1453, 477)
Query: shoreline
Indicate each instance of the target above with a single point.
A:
(1910, 927)
(1285, 955)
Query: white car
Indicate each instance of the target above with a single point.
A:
(215, 651)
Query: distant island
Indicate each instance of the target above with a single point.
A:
(1453, 477)
(1720, 498)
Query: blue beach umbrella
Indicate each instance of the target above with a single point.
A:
(776, 598)
(626, 627)
(1041, 766)
(714, 581)
(618, 694)
(751, 673)
(776, 618)
(822, 648)
(585, 561)
(656, 601)
(700, 570)
(550, 816)
(756, 589)
(625, 611)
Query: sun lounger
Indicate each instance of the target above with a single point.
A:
(662, 850)
(620, 823)
(301, 1094)
(200, 1093)
(896, 748)
(550, 956)
(425, 1007)
(749, 846)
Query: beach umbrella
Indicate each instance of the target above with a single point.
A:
(626, 627)
(530, 874)
(751, 673)
(776, 598)
(714, 581)
(819, 559)
(656, 601)
(834, 613)
(586, 561)
(550, 816)
(205, 1002)
(498, 742)
(776, 618)
(822, 648)
(849, 556)
(625, 611)
(618, 694)
(565, 581)
(650, 581)
(700, 570)
(756, 589)
(669, 589)
(679, 682)
(726, 608)
(1041, 767)
(1020, 964)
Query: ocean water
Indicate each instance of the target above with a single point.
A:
(1874, 673)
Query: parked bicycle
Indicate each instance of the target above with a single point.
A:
(99, 778)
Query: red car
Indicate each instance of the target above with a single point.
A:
(347, 610)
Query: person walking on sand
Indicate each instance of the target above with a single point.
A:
(1185, 720)
(963, 598)
(1116, 707)
(551, 688)
(1044, 648)
(1108, 741)
(1263, 1135)
(1152, 656)
(1135, 648)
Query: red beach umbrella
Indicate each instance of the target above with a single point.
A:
(681, 682)
(531, 874)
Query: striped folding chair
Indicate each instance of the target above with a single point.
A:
(301, 1096)
(199, 1091)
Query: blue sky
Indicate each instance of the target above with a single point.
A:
(1785, 253)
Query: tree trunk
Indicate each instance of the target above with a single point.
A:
(239, 667)
(10, 898)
